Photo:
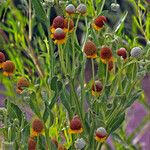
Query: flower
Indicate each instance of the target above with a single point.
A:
(2, 59)
(90, 49)
(115, 7)
(58, 22)
(37, 127)
(70, 9)
(101, 134)
(99, 22)
(97, 88)
(59, 36)
(79, 144)
(136, 52)
(122, 52)
(61, 147)
(106, 54)
(31, 144)
(22, 83)
(8, 68)
(110, 65)
(70, 23)
(75, 125)
(82, 9)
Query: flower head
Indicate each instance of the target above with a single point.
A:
(75, 125)
(106, 54)
(22, 83)
(79, 144)
(37, 127)
(136, 52)
(58, 22)
(59, 36)
(97, 88)
(90, 49)
(68, 24)
(82, 9)
(99, 22)
(8, 68)
(101, 134)
(122, 52)
(110, 65)
(2, 59)
(31, 144)
(70, 9)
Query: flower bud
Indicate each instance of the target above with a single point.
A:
(70, 9)
(69, 23)
(136, 52)
(82, 9)
(79, 144)
(97, 88)
(122, 52)
(115, 7)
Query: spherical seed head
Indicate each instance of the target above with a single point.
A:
(70, 9)
(98, 86)
(115, 7)
(61, 147)
(37, 125)
(75, 123)
(79, 143)
(100, 20)
(136, 52)
(22, 82)
(101, 132)
(71, 24)
(31, 144)
(90, 48)
(106, 53)
(2, 57)
(110, 65)
(59, 34)
(58, 22)
(122, 52)
(81, 8)
(8, 66)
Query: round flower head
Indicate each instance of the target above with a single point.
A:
(79, 144)
(61, 147)
(59, 36)
(115, 7)
(22, 83)
(82, 9)
(75, 125)
(70, 9)
(122, 52)
(136, 52)
(37, 127)
(99, 22)
(101, 134)
(58, 22)
(106, 54)
(97, 88)
(110, 65)
(69, 23)
(2, 59)
(90, 49)
(31, 144)
(8, 68)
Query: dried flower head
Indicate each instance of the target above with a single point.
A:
(75, 125)
(37, 127)
(21, 84)
(79, 144)
(68, 24)
(70, 9)
(2, 59)
(136, 52)
(122, 52)
(90, 49)
(115, 7)
(82, 9)
(59, 36)
(99, 22)
(31, 144)
(106, 54)
(101, 134)
(58, 22)
(97, 88)
(8, 68)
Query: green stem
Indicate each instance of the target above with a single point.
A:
(47, 138)
(99, 146)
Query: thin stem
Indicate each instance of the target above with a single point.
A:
(99, 146)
